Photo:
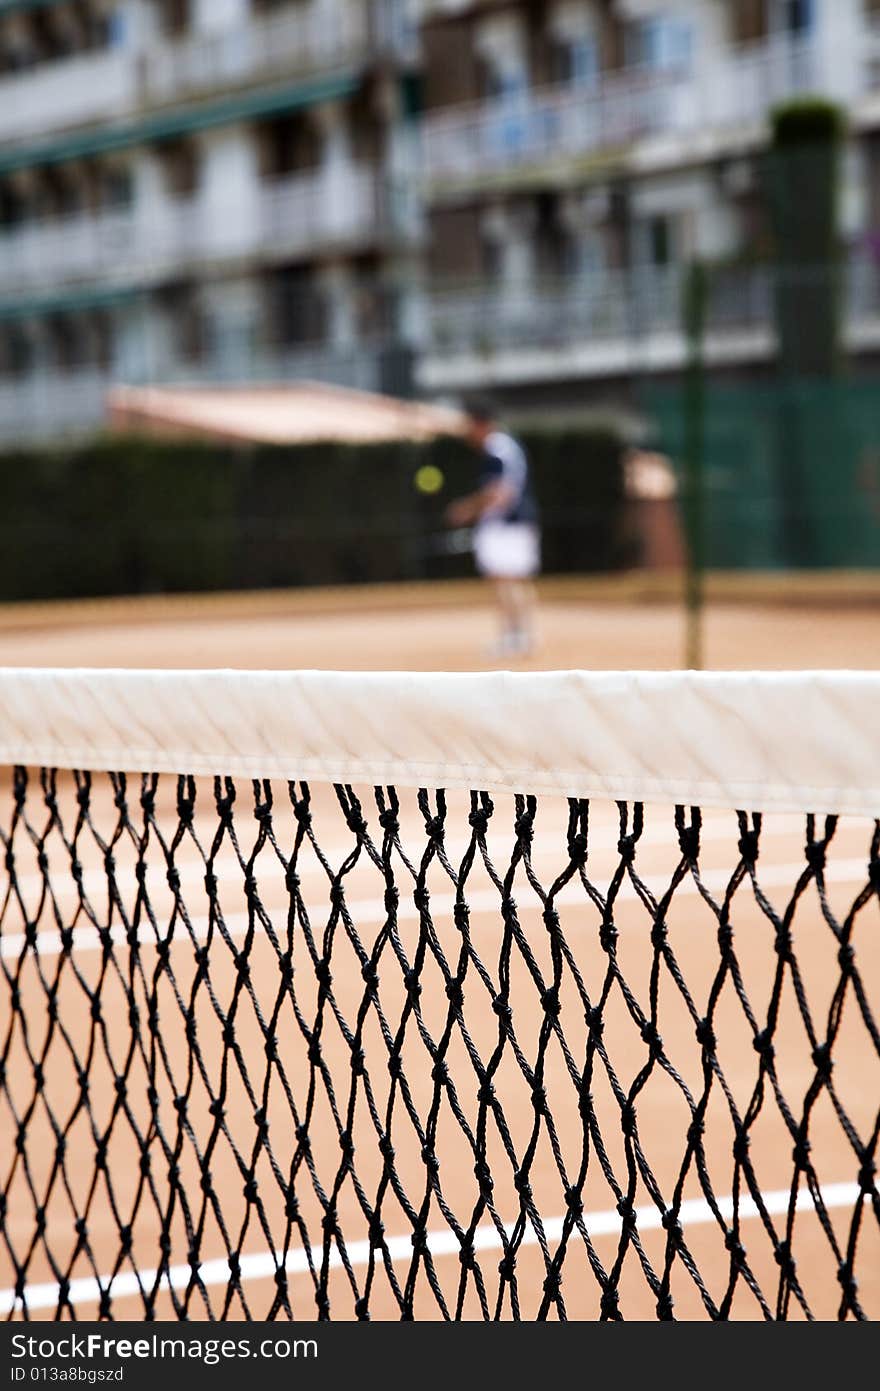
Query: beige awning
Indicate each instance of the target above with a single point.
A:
(299, 413)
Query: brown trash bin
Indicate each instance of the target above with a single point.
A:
(652, 503)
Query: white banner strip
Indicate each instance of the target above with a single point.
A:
(792, 741)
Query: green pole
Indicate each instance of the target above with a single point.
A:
(694, 315)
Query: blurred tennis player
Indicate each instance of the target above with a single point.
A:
(504, 515)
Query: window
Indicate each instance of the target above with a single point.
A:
(116, 189)
(555, 252)
(288, 145)
(661, 42)
(101, 327)
(659, 241)
(64, 343)
(590, 257)
(492, 258)
(372, 307)
(189, 325)
(654, 240)
(13, 206)
(576, 61)
(16, 352)
(507, 85)
(115, 28)
(175, 17)
(801, 16)
(296, 308)
(63, 192)
(584, 61)
(793, 16)
(180, 167)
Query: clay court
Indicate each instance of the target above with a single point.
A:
(223, 1186)
(631, 623)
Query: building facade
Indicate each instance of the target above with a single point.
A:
(201, 189)
(429, 195)
(579, 154)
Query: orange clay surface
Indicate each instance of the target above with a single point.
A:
(596, 626)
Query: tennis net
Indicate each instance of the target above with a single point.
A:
(402, 996)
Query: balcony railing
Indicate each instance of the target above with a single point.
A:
(72, 248)
(592, 308)
(288, 216)
(354, 365)
(69, 92)
(565, 123)
(52, 403)
(297, 42)
(305, 211)
(871, 52)
(626, 306)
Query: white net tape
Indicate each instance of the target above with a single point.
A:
(774, 741)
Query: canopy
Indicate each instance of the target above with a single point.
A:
(295, 413)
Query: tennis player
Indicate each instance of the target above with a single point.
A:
(506, 538)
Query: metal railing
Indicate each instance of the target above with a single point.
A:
(291, 215)
(559, 312)
(294, 42)
(736, 89)
(76, 247)
(480, 319)
(353, 365)
(306, 211)
(607, 312)
(86, 87)
(53, 403)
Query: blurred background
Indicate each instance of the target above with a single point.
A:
(650, 229)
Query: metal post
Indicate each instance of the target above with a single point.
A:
(694, 314)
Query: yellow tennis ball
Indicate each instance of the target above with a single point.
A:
(429, 479)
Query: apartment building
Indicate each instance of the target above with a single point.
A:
(577, 154)
(439, 195)
(201, 189)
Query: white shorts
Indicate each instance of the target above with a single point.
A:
(507, 550)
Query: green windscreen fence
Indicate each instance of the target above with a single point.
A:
(791, 471)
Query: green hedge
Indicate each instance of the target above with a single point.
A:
(124, 516)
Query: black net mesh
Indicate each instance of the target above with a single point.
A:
(278, 1052)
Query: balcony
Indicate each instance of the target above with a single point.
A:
(67, 250)
(51, 404)
(282, 45)
(354, 365)
(719, 98)
(304, 212)
(616, 323)
(90, 87)
(615, 304)
(293, 216)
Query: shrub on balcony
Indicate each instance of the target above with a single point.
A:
(804, 175)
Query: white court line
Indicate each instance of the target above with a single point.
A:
(262, 1265)
(603, 837)
(372, 911)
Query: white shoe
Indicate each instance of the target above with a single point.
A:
(514, 643)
